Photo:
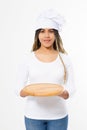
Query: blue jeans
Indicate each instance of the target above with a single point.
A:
(34, 124)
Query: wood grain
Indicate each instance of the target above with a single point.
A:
(44, 89)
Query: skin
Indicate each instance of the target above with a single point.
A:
(46, 53)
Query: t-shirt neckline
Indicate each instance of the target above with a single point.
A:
(43, 61)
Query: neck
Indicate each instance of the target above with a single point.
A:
(46, 50)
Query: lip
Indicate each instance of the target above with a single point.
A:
(46, 40)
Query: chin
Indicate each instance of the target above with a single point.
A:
(47, 46)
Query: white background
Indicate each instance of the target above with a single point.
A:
(17, 18)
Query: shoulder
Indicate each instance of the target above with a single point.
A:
(28, 55)
(64, 55)
(66, 58)
(26, 58)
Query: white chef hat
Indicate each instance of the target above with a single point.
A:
(50, 19)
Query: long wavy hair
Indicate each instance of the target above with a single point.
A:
(57, 45)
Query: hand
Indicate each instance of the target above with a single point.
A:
(65, 94)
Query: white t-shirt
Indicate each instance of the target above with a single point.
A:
(31, 71)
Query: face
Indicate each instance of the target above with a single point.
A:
(46, 37)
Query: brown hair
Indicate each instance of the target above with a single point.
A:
(57, 45)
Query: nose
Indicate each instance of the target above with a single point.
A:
(46, 34)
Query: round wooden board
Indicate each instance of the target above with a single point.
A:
(44, 89)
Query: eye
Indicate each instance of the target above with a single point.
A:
(42, 31)
(51, 30)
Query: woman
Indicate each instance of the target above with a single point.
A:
(47, 63)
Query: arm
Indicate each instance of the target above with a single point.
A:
(22, 77)
(69, 85)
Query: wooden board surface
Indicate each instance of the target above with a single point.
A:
(44, 89)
